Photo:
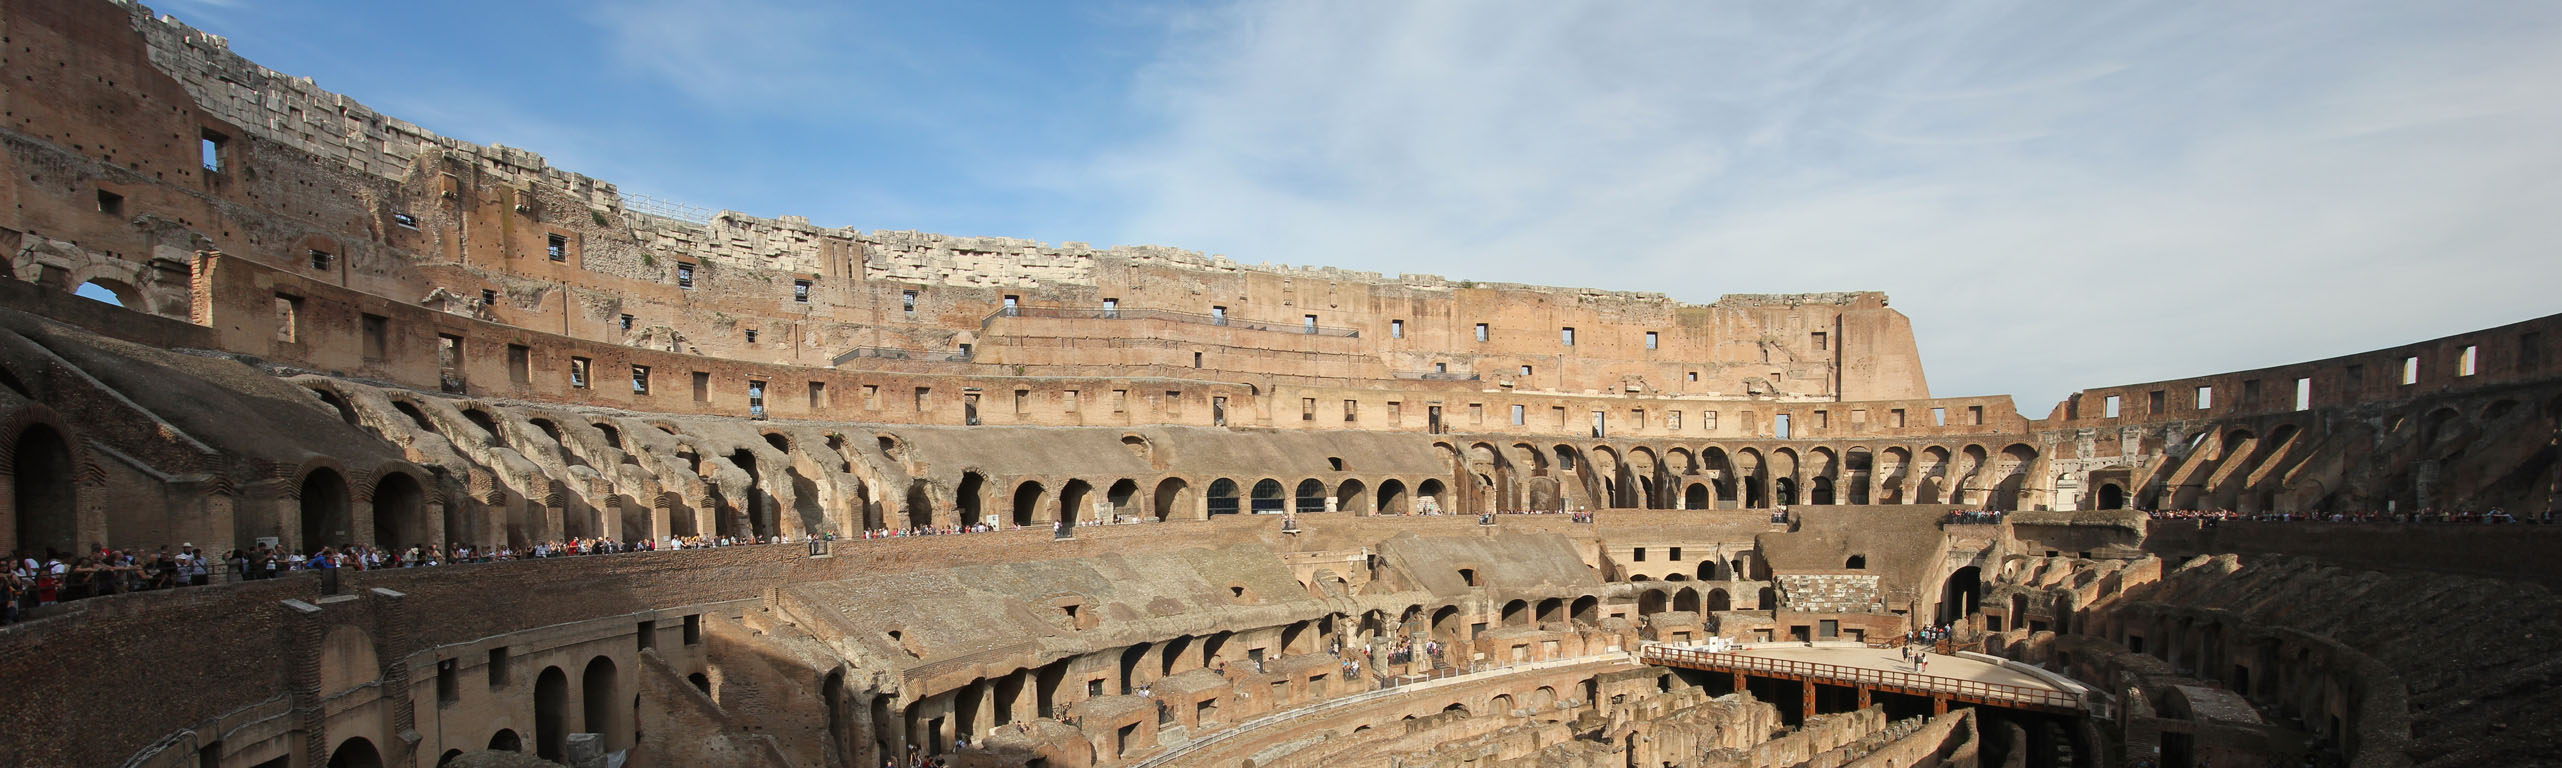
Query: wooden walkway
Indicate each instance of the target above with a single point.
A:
(1940, 689)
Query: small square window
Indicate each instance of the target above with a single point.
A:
(1567, 337)
(751, 335)
(1396, 329)
(488, 297)
(556, 248)
(907, 301)
(1651, 340)
(1481, 331)
(801, 291)
(627, 322)
(320, 259)
(578, 372)
(1525, 370)
(684, 275)
(405, 221)
(640, 379)
(110, 203)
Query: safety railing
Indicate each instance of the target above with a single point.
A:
(1065, 313)
(1974, 690)
(1436, 375)
(894, 353)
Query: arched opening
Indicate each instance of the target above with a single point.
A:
(1516, 613)
(1686, 600)
(1432, 494)
(1822, 493)
(1311, 496)
(355, 753)
(1076, 499)
(346, 413)
(1119, 496)
(1351, 496)
(1552, 610)
(1767, 600)
(1784, 491)
(2111, 496)
(325, 519)
(1855, 563)
(971, 496)
(1223, 497)
(110, 292)
(1170, 497)
(1696, 497)
(1445, 624)
(920, 505)
(47, 501)
(400, 513)
(1392, 497)
(1650, 602)
(1959, 597)
(1027, 502)
(597, 688)
(551, 714)
(1586, 609)
(506, 740)
(1267, 497)
(1719, 601)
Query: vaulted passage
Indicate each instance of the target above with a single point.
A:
(325, 519)
(46, 504)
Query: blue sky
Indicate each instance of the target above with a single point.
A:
(2060, 195)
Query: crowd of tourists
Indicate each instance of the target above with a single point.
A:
(2494, 515)
(1975, 516)
(57, 577)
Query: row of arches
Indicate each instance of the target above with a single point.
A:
(1077, 500)
(1547, 477)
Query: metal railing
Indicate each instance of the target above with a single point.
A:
(895, 353)
(1435, 375)
(1972, 690)
(1066, 313)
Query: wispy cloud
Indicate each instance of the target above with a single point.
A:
(2061, 195)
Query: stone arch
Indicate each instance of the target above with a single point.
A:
(1223, 497)
(551, 714)
(1552, 610)
(1120, 496)
(1718, 600)
(326, 516)
(1076, 501)
(1650, 602)
(2010, 485)
(355, 752)
(599, 689)
(1392, 497)
(1027, 502)
(1586, 609)
(1266, 498)
(1171, 494)
(1516, 613)
(1961, 595)
(1310, 496)
(1697, 496)
(971, 497)
(112, 291)
(400, 512)
(1686, 600)
(1352, 496)
(45, 497)
(2111, 496)
(1431, 488)
(920, 505)
(506, 740)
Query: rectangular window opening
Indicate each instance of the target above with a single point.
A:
(2464, 364)
(1396, 329)
(1975, 415)
(1822, 341)
(405, 221)
(520, 364)
(2304, 393)
(210, 146)
(320, 259)
(1481, 331)
(110, 203)
(640, 379)
(1779, 426)
(1520, 415)
(377, 331)
(2411, 370)
(1939, 417)
(578, 372)
(288, 318)
(2111, 411)
(2205, 398)
(556, 248)
(684, 275)
(755, 398)
(702, 386)
(924, 398)
(1568, 337)
(1651, 339)
(801, 291)
(907, 301)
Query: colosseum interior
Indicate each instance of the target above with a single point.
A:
(1233, 515)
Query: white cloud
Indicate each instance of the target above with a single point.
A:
(2060, 195)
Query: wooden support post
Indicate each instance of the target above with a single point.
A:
(1939, 705)
(1863, 697)
(1806, 694)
